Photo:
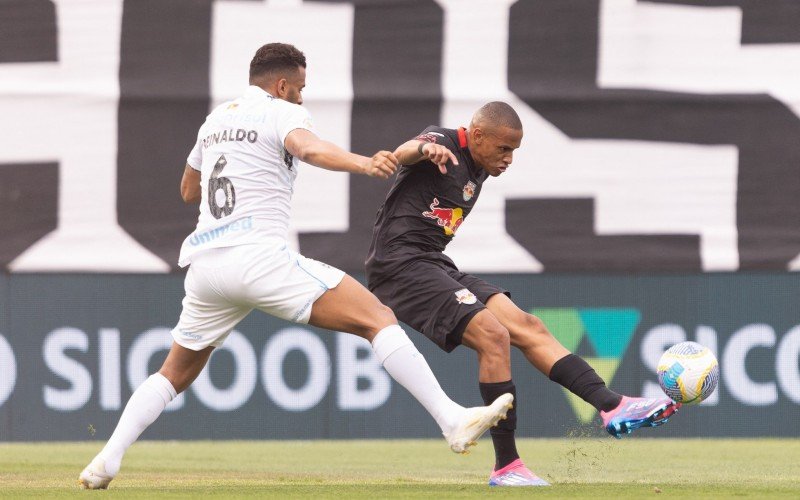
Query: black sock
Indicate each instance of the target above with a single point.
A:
(578, 377)
(505, 448)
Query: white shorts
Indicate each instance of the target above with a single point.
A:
(224, 284)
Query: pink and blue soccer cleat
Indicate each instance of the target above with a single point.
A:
(516, 474)
(633, 413)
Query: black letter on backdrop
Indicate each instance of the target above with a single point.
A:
(28, 31)
(164, 98)
(553, 67)
(28, 191)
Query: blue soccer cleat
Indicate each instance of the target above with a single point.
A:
(633, 413)
(516, 474)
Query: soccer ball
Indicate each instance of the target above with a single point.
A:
(688, 372)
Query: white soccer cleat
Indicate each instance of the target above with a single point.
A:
(94, 476)
(475, 421)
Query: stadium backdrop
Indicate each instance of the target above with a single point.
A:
(656, 198)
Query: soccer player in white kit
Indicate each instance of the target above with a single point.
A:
(242, 170)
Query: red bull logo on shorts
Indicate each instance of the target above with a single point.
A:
(448, 218)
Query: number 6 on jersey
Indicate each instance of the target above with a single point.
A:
(215, 183)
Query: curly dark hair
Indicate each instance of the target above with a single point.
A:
(276, 57)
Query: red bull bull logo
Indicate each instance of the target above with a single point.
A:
(448, 218)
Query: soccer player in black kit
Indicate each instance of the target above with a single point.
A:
(439, 181)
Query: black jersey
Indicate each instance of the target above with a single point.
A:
(424, 208)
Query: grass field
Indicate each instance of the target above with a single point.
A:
(579, 468)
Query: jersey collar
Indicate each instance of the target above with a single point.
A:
(255, 90)
(463, 144)
(462, 137)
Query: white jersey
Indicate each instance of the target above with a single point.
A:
(247, 176)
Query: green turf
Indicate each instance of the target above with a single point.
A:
(578, 468)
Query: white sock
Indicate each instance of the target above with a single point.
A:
(408, 367)
(143, 408)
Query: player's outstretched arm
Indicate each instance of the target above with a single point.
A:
(315, 151)
(190, 185)
(414, 151)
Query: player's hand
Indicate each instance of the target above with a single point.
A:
(439, 155)
(382, 164)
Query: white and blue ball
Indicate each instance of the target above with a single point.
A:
(688, 373)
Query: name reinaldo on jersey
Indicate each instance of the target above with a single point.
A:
(239, 134)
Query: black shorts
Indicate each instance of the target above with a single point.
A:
(436, 299)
